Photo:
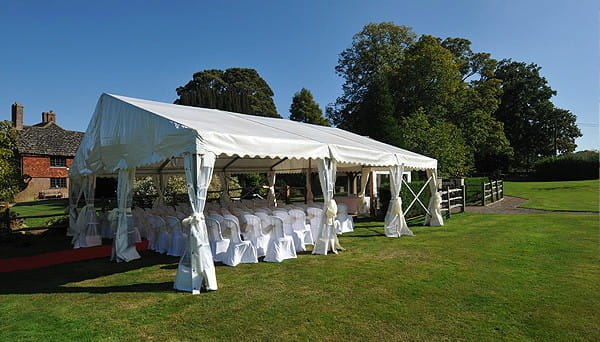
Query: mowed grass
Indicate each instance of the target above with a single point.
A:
(480, 277)
(43, 207)
(568, 196)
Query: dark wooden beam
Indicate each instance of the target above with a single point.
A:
(279, 162)
(231, 162)
(162, 166)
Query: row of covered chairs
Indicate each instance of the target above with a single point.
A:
(240, 232)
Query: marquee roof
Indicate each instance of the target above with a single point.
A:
(153, 135)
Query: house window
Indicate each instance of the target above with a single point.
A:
(58, 182)
(58, 162)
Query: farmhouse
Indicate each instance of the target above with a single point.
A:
(46, 151)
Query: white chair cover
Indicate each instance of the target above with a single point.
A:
(253, 232)
(238, 251)
(288, 229)
(218, 245)
(314, 216)
(281, 247)
(196, 266)
(177, 246)
(301, 227)
(345, 224)
(435, 216)
(266, 223)
(164, 236)
(105, 226)
(327, 238)
(151, 230)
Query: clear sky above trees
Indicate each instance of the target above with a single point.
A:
(62, 55)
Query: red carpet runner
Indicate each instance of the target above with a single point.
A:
(60, 257)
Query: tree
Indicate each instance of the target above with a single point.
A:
(391, 77)
(238, 90)
(10, 178)
(534, 127)
(305, 109)
(440, 140)
(377, 49)
(427, 78)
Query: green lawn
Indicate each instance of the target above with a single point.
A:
(480, 277)
(569, 196)
(45, 207)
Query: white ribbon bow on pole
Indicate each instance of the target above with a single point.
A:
(331, 212)
(193, 219)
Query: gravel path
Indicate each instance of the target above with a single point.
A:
(510, 205)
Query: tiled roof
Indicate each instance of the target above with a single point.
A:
(48, 139)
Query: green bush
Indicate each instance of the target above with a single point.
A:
(407, 197)
(569, 166)
(473, 192)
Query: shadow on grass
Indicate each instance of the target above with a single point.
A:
(55, 279)
(53, 202)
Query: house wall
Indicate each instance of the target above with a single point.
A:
(38, 168)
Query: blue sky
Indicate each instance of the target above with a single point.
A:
(62, 55)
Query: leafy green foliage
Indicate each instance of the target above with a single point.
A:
(11, 181)
(240, 90)
(441, 139)
(392, 79)
(534, 127)
(305, 109)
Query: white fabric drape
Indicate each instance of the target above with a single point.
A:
(223, 176)
(196, 266)
(327, 239)
(160, 183)
(395, 224)
(363, 208)
(123, 248)
(87, 234)
(434, 218)
(271, 196)
(75, 192)
(309, 193)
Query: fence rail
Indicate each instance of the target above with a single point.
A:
(494, 191)
(453, 198)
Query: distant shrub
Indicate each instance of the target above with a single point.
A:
(407, 197)
(58, 221)
(15, 221)
(570, 166)
(473, 189)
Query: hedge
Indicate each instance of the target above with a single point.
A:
(570, 166)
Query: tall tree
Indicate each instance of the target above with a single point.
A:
(390, 77)
(305, 109)
(10, 178)
(427, 78)
(377, 49)
(442, 140)
(238, 90)
(534, 127)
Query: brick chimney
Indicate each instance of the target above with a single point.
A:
(17, 115)
(48, 117)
